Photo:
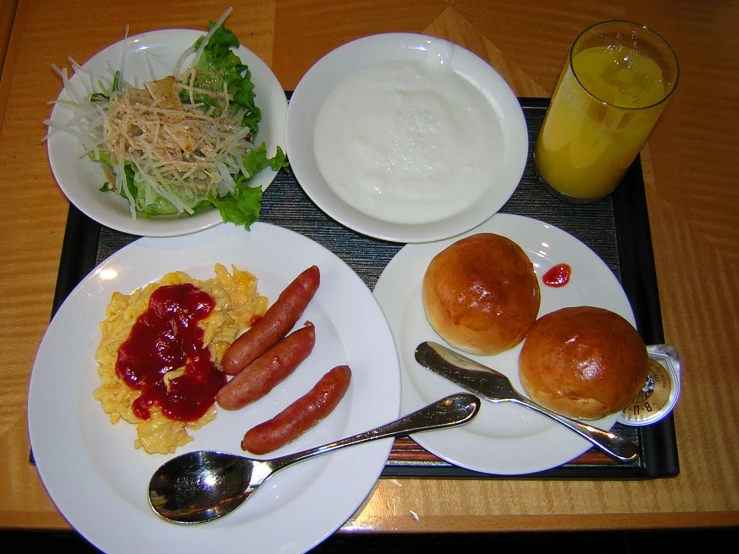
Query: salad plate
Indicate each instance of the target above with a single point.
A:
(143, 58)
(504, 439)
(510, 136)
(76, 448)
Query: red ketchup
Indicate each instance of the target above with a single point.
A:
(166, 337)
(558, 276)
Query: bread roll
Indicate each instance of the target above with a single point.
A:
(583, 362)
(481, 294)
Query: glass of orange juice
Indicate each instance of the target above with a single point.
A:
(617, 80)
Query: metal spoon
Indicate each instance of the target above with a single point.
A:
(202, 486)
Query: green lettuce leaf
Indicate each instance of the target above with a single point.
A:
(258, 160)
(242, 207)
(219, 65)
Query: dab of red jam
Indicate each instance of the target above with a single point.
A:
(558, 276)
(167, 337)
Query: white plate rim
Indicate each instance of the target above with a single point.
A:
(330, 69)
(339, 482)
(548, 445)
(80, 179)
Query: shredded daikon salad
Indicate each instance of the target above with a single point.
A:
(179, 144)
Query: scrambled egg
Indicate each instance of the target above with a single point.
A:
(237, 303)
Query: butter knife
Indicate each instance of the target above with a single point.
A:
(494, 386)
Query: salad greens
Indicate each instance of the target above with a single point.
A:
(183, 143)
(219, 66)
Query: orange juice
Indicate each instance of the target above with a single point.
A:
(607, 101)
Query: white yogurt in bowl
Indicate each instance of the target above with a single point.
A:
(408, 141)
(406, 137)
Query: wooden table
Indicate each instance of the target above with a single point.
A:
(692, 191)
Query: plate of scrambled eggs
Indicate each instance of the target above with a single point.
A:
(86, 437)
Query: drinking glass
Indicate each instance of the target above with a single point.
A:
(616, 81)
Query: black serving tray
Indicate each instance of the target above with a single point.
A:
(616, 228)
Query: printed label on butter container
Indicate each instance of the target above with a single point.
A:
(660, 393)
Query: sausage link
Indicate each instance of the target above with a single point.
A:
(301, 415)
(279, 318)
(268, 370)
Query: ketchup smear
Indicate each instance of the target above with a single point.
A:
(558, 276)
(167, 337)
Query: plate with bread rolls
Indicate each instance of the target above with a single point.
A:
(529, 300)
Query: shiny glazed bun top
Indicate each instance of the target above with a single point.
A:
(583, 362)
(481, 294)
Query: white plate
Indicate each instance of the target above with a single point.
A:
(503, 439)
(152, 56)
(99, 481)
(330, 70)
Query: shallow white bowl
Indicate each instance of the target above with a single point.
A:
(330, 70)
(152, 56)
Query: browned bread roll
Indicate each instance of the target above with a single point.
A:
(583, 362)
(481, 294)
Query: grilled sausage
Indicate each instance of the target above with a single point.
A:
(276, 322)
(268, 370)
(301, 415)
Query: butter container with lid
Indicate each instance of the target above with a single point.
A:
(661, 391)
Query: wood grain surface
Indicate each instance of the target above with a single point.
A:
(692, 188)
